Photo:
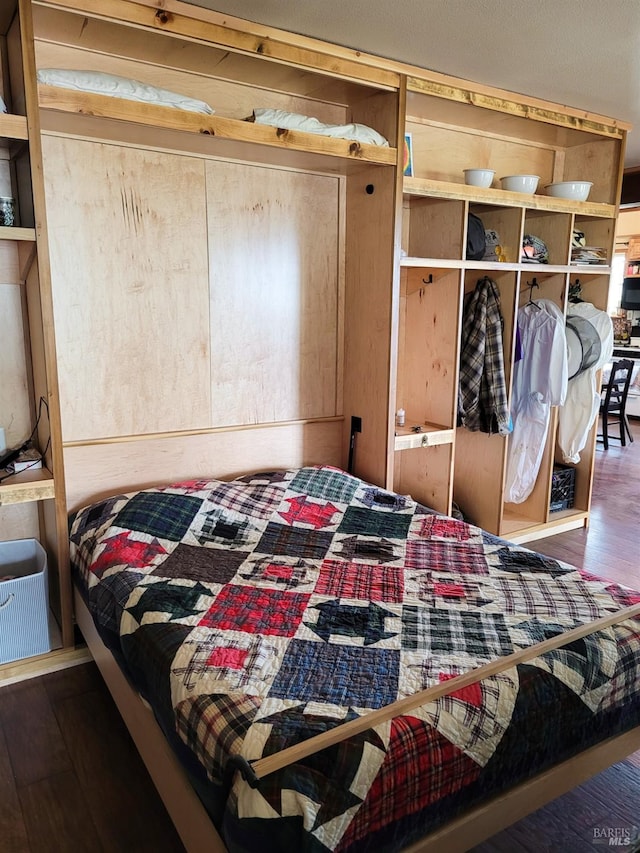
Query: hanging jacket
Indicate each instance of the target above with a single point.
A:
(482, 392)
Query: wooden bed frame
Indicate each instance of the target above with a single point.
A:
(198, 833)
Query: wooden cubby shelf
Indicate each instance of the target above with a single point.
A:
(407, 438)
(15, 232)
(13, 126)
(454, 128)
(453, 190)
(520, 529)
(36, 485)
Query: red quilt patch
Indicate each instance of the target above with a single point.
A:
(436, 555)
(278, 572)
(361, 581)
(435, 526)
(449, 590)
(230, 657)
(472, 693)
(120, 550)
(302, 511)
(421, 767)
(256, 611)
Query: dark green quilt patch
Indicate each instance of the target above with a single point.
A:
(369, 522)
(166, 516)
(327, 484)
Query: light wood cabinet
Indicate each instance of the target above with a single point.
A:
(453, 129)
(32, 503)
(248, 275)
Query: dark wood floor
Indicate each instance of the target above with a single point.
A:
(71, 780)
(611, 545)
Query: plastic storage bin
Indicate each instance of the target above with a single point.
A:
(24, 600)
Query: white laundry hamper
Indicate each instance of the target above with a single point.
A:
(24, 600)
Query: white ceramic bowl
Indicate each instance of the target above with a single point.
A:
(520, 183)
(478, 177)
(575, 190)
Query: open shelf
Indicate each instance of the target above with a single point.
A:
(36, 485)
(14, 232)
(518, 529)
(13, 126)
(453, 190)
(429, 435)
(215, 126)
(439, 264)
(198, 45)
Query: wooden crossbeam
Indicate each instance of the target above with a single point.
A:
(270, 763)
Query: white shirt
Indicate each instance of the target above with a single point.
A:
(543, 366)
(539, 382)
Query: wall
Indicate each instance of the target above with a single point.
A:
(628, 223)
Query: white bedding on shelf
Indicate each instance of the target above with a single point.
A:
(99, 83)
(308, 124)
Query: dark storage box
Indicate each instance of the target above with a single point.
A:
(563, 484)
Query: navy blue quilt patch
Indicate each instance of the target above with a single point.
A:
(339, 675)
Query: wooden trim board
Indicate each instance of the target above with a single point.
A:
(33, 667)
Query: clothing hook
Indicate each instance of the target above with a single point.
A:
(531, 284)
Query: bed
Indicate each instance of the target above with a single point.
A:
(310, 646)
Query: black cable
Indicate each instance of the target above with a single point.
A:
(12, 455)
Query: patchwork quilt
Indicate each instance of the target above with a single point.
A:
(255, 613)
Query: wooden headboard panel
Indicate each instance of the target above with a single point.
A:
(95, 471)
(191, 295)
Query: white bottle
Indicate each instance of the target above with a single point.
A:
(400, 418)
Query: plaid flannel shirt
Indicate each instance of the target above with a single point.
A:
(482, 392)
